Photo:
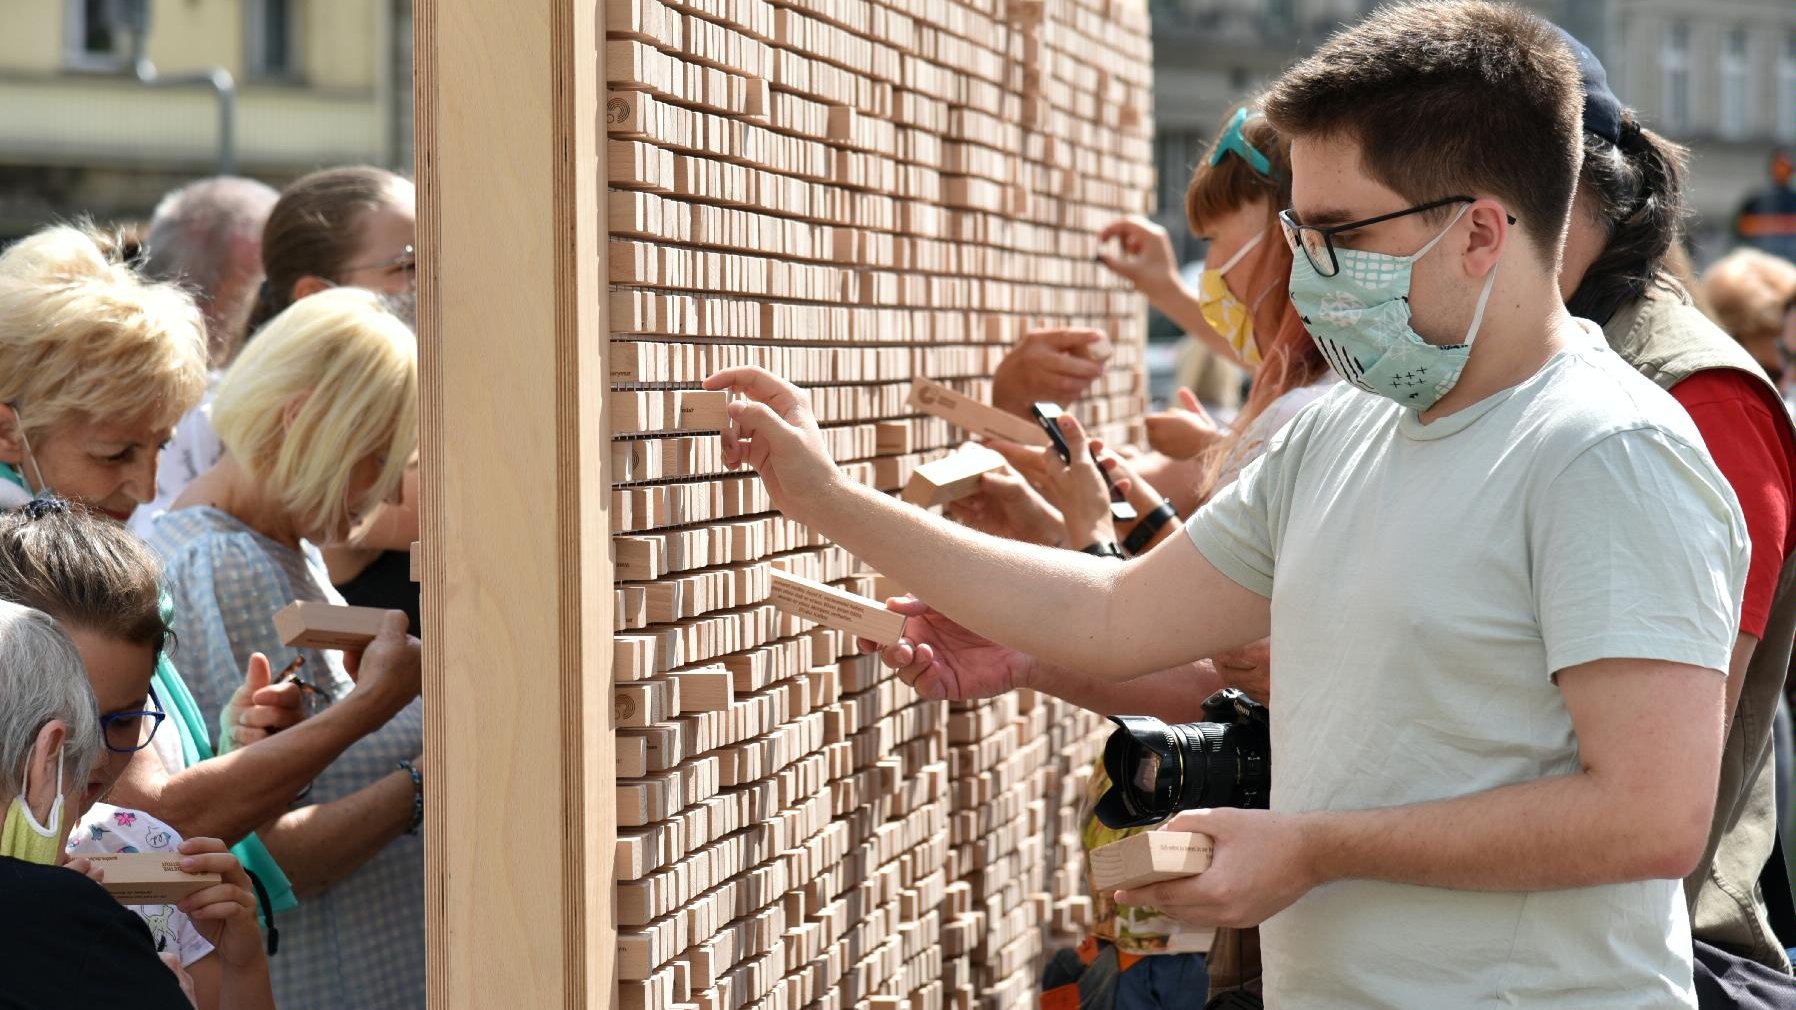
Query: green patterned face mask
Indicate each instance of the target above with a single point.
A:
(23, 837)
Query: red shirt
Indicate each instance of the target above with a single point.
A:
(1741, 419)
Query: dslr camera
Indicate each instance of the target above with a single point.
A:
(1157, 770)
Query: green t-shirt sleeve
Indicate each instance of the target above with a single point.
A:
(1638, 550)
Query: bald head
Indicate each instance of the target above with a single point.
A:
(207, 237)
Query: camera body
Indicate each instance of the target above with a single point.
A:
(1157, 770)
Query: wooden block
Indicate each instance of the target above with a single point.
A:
(981, 419)
(706, 690)
(149, 878)
(632, 757)
(1100, 349)
(835, 608)
(305, 625)
(1148, 858)
(703, 410)
(951, 477)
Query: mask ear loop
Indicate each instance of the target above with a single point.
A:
(43, 487)
(55, 801)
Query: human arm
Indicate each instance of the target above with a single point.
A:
(1634, 810)
(233, 794)
(1046, 365)
(319, 845)
(1144, 258)
(942, 660)
(235, 975)
(1162, 610)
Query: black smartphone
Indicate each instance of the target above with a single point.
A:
(1047, 414)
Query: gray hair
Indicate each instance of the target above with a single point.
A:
(42, 678)
(196, 233)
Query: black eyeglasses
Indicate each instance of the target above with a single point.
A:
(130, 732)
(407, 260)
(1318, 243)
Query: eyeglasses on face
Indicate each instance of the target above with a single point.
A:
(406, 261)
(1318, 242)
(130, 732)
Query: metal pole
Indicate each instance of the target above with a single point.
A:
(135, 15)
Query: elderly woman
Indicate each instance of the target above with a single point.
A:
(319, 421)
(69, 942)
(95, 367)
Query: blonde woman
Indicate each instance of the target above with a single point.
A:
(318, 417)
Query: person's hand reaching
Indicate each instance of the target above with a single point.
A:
(943, 661)
(1184, 431)
(1046, 365)
(1006, 506)
(1143, 257)
(775, 432)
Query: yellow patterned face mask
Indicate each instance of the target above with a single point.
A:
(1227, 314)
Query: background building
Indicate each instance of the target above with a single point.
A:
(1716, 75)
(319, 82)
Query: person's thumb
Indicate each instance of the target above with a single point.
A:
(257, 675)
(1189, 401)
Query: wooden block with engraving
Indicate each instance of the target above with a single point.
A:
(308, 625)
(703, 410)
(951, 477)
(981, 419)
(148, 878)
(1149, 858)
(835, 608)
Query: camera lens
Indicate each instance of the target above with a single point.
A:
(1156, 770)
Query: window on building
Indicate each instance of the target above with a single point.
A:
(1736, 71)
(271, 49)
(1674, 60)
(97, 37)
(1786, 89)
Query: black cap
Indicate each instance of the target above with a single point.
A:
(1602, 110)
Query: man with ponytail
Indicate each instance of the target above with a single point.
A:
(1626, 221)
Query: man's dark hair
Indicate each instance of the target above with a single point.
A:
(1446, 99)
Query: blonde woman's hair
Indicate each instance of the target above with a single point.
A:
(331, 381)
(83, 336)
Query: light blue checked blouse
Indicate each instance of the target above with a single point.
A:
(360, 945)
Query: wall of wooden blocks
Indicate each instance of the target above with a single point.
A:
(854, 194)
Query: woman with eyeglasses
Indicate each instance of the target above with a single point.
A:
(319, 418)
(99, 583)
(352, 227)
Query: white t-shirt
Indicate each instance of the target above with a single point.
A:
(1430, 581)
(107, 829)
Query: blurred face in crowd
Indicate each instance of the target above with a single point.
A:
(120, 674)
(384, 260)
(108, 465)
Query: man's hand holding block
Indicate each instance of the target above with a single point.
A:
(835, 608)
(305, 625)
(148, 878)
(1149, 858)
(981, 419)
(951, 477)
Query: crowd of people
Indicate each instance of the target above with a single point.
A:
(1509, 507)
(193, 436)
(1502, 535)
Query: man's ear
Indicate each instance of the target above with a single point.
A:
(12, 442)
(310, 285)
(1490, 234)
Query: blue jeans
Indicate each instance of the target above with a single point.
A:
(1164, 982)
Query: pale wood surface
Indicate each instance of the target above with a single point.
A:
(519, 770)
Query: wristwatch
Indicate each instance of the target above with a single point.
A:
(1148, 528)
(1103, 550)
(417, 797)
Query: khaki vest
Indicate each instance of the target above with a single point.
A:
(1668, 340)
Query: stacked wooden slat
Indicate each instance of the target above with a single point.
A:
(853, 194)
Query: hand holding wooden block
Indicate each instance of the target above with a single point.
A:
(1149, 858)
(981, 419)
(951, 477)
(304, 625)
(835, 608)
(703, 410)
(148, 878)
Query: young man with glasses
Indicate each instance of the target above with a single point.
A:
(1498, 708)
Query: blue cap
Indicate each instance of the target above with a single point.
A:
(1602, 110)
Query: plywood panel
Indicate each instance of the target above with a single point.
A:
(518, 602)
